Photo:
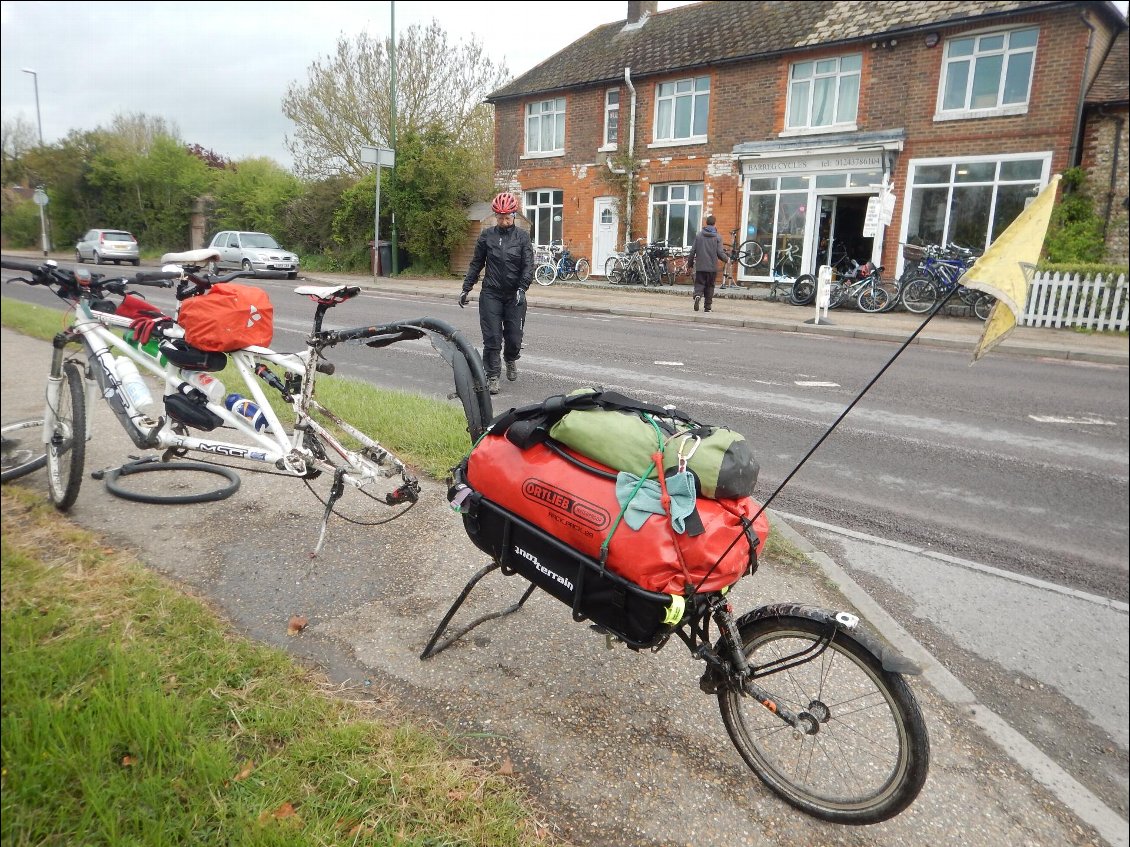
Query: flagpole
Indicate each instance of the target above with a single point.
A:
(937, 308)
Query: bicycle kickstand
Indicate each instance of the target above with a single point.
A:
(336, 490)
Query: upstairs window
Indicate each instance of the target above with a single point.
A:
(681, 108)
(545, 126)
(611, 117)
(824, 93)
(988, 72)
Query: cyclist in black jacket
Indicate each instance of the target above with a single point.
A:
(508, 256)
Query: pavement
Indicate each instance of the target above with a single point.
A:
(617, 749)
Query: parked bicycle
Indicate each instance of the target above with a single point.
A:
(940, 271)
(640, 268)
(317, 440)
(561, 264)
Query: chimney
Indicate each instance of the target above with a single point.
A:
(638, 10)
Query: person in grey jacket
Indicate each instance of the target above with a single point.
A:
(506, 253)
(704, 257)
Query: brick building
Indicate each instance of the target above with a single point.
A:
(806, 125)
(1105, 149)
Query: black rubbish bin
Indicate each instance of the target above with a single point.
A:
(384, 259)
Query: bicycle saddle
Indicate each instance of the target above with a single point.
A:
(328, 294)
(191, 257)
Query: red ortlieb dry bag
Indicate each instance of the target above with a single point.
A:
(574, 499)
(228, 317)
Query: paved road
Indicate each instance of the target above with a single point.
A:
(619, 748)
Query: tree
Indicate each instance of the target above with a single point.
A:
(253, 194)
(345, 104)
(17, 137)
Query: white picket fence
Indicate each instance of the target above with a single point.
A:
(1068, 300)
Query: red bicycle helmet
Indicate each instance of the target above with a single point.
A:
(505, 204)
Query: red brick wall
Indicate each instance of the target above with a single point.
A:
(898, 90)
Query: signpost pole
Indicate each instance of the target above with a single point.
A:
(41, 201)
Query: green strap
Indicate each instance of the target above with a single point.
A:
(643, 477)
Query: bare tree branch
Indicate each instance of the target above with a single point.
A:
(345, 102)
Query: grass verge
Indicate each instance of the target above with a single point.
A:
(132, 715)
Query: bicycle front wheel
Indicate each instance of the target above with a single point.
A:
(866, 755)
(750, 254)
(919, 295)
(66, 449)
(22, 448)
(545, 274)
(582, 270)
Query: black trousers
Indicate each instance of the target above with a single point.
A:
(502, 321)
(704, 286)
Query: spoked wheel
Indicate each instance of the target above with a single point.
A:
(803, 291)
(983, 306)
(919, 295)
(750, 254)
(582, 269)
(863, 751)
(23, 450)
(545, 275)
(873, 299)
(66, 451)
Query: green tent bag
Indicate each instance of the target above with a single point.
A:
(625, 440)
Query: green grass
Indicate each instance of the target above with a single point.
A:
(132, 715)
(428, 435)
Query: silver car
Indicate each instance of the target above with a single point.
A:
(107, 245)
(256, 252)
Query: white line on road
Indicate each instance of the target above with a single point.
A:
(1080, 421)
(962, 563)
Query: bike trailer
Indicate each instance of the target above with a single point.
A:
(562, 521)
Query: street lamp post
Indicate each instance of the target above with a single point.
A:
(38, 119)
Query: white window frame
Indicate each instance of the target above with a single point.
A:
(691, 90)
(1044, 157)
(691, 222)
(841, 77)
(609, 109)
(537, 199)
(536, 112)
(950, 63)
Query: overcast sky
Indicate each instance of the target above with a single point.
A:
(219, 71)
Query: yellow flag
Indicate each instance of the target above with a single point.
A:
(1005, 271)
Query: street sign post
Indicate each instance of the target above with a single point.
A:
(41, 200)
(382, 157)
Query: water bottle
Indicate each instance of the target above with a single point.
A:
(133, 384)
(208, 384)
(240, 405)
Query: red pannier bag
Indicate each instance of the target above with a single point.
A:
(580, 507)
(228, 317)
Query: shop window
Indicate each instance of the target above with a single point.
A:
(676, 213)
(544, 209)
(970, 202)
(545, 127)
(824, 93)
(987, 74)
(776, 210)
(681, 109)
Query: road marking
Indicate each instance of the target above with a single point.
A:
(816, 384)
(1073, 794)
(669, 364)
(1080, 421)
(961, 563)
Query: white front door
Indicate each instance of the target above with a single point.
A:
(605, 226)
